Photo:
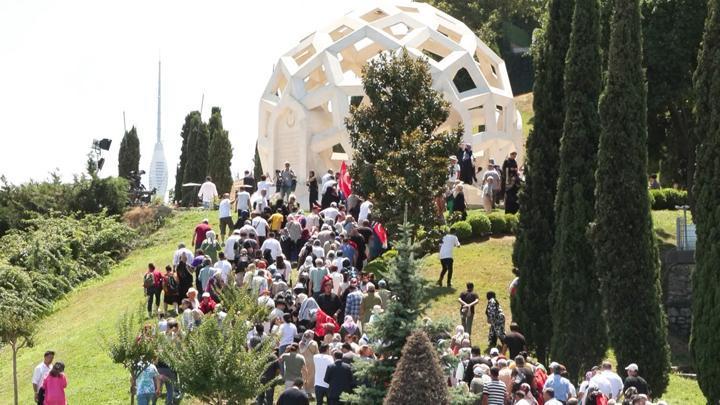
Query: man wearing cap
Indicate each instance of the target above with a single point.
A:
(561, 386)
(41, 371)
(200, 233)
(288, 180)
(634, 380)
(207, 193)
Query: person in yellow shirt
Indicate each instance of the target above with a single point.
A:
(276, 221)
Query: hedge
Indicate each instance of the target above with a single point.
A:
(511, 221)
(667, 198)
(463, 230)
(480, 224)
(498, 223)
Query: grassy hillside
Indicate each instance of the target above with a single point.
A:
(76, 328)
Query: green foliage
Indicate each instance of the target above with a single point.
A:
(668, 198)
(129, 154)
(418, 377)
(480, 224)
(213, 361)
(93, 195)
(498, 223)
(628, 264)
(184, 155)
(17, 330)
(130, 347)
(463, 230)
(219, 153)
(257, 165)
(512, 222)
(397, 156)
(394, 326)
(704, 343)
(533, 248)
(196, 155)
(573, 270)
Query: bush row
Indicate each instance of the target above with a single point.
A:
(479, 224)
(52, 255)
(667, 198)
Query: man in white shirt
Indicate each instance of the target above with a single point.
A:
(616, 383)
(273, 245)
(330, 212)
(260, 201)
(261, 227)
(224, 266)
(327, 177)
(41, 371)
(449, 242)
(322, 360)
(224, 215)
(229, 249)
(207, 193)
(182, 251)
(365, 211)
(242, 200)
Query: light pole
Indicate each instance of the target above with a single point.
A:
(685, 235)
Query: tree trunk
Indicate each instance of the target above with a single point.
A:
(13, 345)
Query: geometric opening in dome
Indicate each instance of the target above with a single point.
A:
(355, 101)
(434, 50)
(340, 32)
(463, 82)
(338, 148)
(374, 15)
(408, 9)
(449, 33)
(500, 117)
(280, 83)
(304, 54)
(315, 79)
(398, 30)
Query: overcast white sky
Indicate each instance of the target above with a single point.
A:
(68, 70)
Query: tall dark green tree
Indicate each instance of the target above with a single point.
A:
(220, 153)
(398, 156)
(257, 165)
(129, 154)
(180, 173)
(627, 256)
(196, 166)
(532, 252)
(704, 342)
(575, 289)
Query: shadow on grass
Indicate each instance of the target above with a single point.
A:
(435, 291)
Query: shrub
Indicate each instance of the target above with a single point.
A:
(148, 219)
(667, 198)
(498, 223)
(480, 224)
(658, 199)
(512, 222)
(463, 230)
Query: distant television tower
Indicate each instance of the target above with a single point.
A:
(158, 175)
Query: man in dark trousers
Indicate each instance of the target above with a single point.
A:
(509, 170)
(294, 395)
(339, 378)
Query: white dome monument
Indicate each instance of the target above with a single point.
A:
(304, 105)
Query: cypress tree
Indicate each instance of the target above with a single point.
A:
(575, 292)
(180, 173)
(704, 342)
(257, 165)
(532, 252)
(129, 154)
(196, 166)
(627, 256)
(219, 153)
(418, 378)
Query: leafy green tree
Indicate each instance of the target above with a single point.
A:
(398, 157)
(180, 173)
(706, 305)
(129, 154)
(17, 328)
(398, 321)
(131, 347)
(196, 153)
(213, 362)
(532, 253)
(220, 153)
(628, 264)
(418, 377)
(575, 289)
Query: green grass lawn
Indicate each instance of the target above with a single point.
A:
(77, 328)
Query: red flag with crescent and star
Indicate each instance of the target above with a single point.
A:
(345, 180)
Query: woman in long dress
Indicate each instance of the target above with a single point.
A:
(308, 347)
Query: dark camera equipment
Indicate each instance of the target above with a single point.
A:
(138, 194)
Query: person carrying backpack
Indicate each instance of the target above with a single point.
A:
(152, 283)
(171, 289)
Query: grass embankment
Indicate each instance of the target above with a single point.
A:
(77, 326)
(79, 323)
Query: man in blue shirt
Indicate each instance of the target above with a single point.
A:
(560, 385)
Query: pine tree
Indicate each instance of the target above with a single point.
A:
(397, 155)
(220, 153)
(627, 257)
(196, 166)
(575, 292)
(129, 154)
(532, 253)
(180, 173)
(418, 377)
(397, 322)
(704, 342)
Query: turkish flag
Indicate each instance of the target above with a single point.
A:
(381, 234)
(345, 180)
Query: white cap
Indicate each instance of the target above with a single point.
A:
(206, 294)
(632, 367)
(494, 351)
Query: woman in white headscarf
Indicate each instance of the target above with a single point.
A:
(211, 246)
(457, 338)
(307, 309)
(308, 347)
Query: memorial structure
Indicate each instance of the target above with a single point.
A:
(312, 87)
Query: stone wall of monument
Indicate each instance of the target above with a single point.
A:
(677, 271)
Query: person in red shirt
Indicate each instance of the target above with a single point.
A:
(207, 305)
(200, 231)
(152, 283)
